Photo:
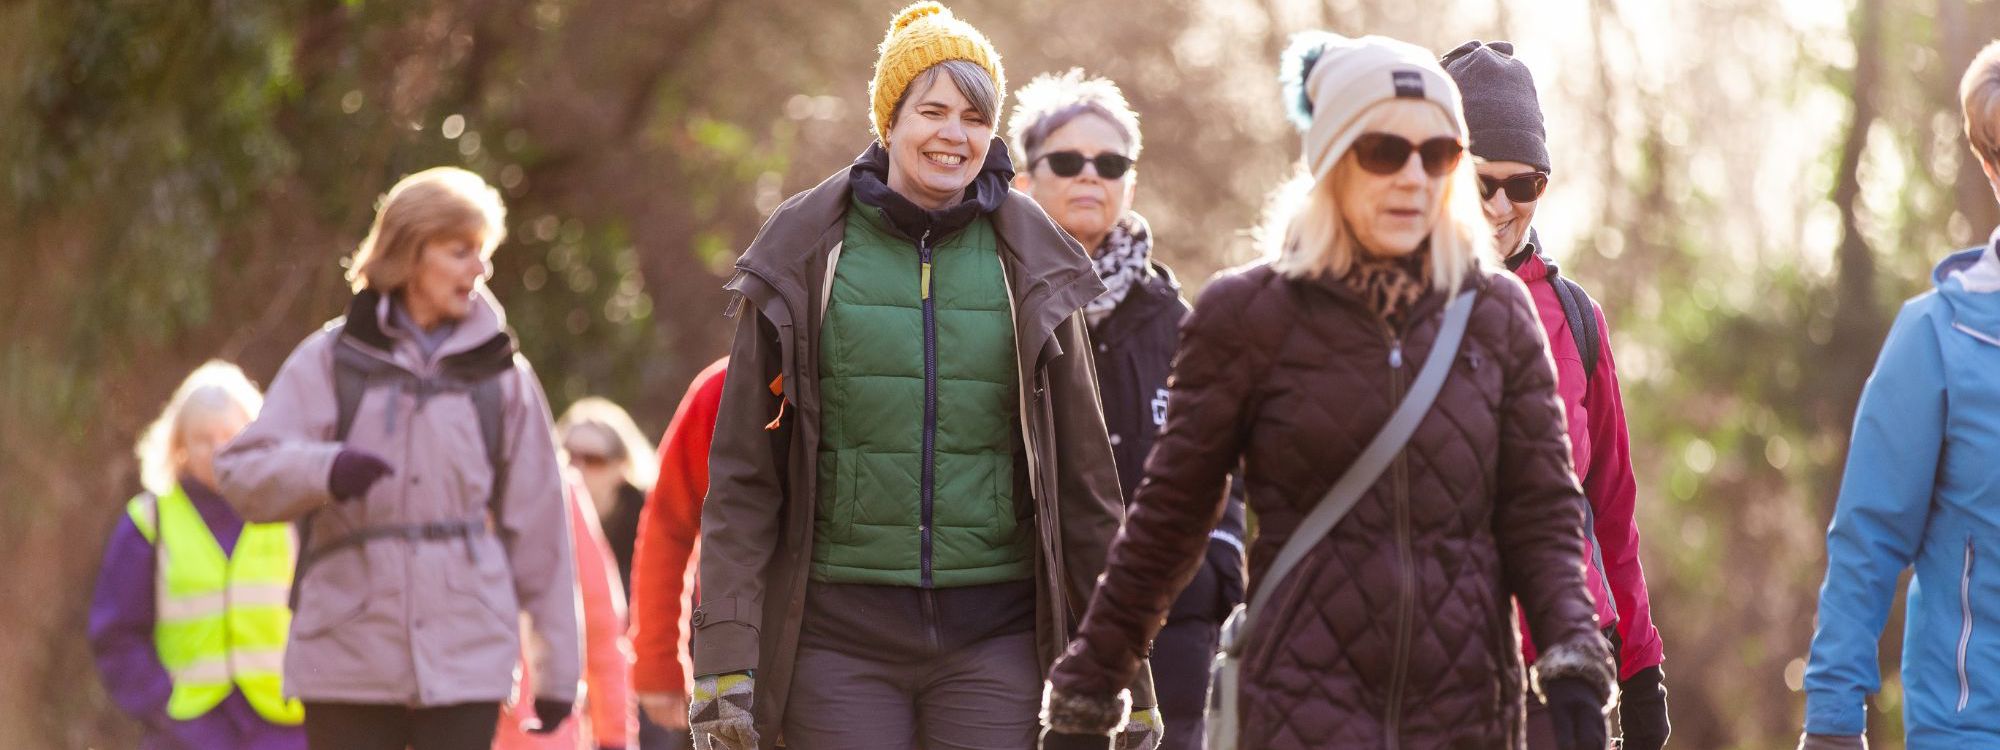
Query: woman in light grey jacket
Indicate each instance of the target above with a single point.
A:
(412, 444)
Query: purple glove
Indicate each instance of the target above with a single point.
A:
(353, 472)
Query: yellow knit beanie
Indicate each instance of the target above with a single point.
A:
(924, 35)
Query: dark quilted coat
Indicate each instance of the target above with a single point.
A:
(1395, 631)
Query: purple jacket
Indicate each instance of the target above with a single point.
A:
(121, 637)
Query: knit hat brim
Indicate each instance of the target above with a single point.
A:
(1341, 78)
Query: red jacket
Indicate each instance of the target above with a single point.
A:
(605, 718)
(1598, 439)
(663, 581)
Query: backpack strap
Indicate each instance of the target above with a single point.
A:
(1582, 317)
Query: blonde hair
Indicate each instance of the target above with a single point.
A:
(1979, 97)
(1304, 235)
(609, 420)
(206, 391)
(437, 202)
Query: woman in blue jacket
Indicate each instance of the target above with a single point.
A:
(1922, 490)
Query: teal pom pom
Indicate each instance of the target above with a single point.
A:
(1295, 65)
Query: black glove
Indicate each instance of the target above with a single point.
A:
(551, 713)
(353, 472)
(1578, 714)
(1642, 711)
(1053, 740)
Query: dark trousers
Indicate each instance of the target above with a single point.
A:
(653, 736)
(364, 726)
(1182, 655)
(893, 668)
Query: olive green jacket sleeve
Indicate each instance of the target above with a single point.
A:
(1086, 478)
(741, 518)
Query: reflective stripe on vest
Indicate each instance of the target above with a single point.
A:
(220, 621)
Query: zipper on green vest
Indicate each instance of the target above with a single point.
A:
(928, 488)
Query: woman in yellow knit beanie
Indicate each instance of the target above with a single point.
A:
(910, 480)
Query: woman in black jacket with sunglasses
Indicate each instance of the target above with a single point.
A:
(1081, 141)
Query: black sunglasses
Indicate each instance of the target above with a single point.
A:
(1110, 166)
(1385, 154)
(1525, 187)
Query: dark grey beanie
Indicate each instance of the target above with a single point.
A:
(1502, 112)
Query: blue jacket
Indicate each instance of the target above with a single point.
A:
(1922, 490)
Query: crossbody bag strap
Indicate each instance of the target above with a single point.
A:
(1374, 459)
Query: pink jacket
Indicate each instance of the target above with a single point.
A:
(1598, 439)
(415, 622)
(606, 718)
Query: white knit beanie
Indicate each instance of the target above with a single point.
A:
(1329, 80)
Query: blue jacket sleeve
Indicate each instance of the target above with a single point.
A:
(121, 628)
(1878, 521)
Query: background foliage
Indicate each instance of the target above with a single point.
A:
(1750, 187)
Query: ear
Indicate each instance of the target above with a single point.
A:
(1023, 182)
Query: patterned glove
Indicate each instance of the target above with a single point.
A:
(719, 712)
(1143, 730)
(1832, 742)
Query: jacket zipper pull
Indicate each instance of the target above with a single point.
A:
(1396, 355)
(924, 253)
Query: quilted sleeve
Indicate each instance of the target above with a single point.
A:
(1538, 504)
(1180, 500)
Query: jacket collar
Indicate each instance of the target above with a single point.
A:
(1049, 272)
(1157, 290)
(1530, 262)
(1969, 281)
(480, 340)
(869, 176)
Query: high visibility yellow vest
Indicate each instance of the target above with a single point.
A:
(219, 620)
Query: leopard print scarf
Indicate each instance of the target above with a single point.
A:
(1391, 286)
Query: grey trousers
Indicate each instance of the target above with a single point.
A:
(921, 676)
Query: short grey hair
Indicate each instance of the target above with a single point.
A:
(972, 81)
(1054, 100)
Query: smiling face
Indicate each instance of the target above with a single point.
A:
(1086, 205)
(1391, 215)
(937, 143)
(447, 271)
(1510, 220)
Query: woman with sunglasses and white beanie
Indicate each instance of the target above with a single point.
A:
(1395, 628)
(1510, 152)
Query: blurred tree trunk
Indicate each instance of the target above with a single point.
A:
(1857, 319)
(1957, 43)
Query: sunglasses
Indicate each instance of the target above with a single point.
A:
(590, 460)
(1110, 166)
(1385, 154)
(1525, 187)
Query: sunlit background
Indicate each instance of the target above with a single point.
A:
(1749, 188)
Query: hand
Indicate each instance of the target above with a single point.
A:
(1143, 730)
(550, 714)
(669, 710)
(353, 472)
(1642, 710)
(1578, 714)
(1832, 742)
(719, 712)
